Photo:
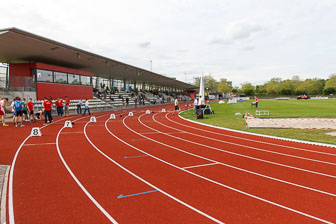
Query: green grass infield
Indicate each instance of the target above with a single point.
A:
(225, 117)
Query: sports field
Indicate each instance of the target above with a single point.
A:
(156, 167)
(225, 117)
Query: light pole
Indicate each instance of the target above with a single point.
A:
(185, 77)
(151, 62)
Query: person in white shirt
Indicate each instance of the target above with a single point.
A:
(176, 106)
(86, 107)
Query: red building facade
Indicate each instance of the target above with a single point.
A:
(50, 80)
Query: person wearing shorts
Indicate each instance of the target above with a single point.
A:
(176, 107)
(3, 112)
(18, 108)
(30, 106)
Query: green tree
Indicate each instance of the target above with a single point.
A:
(273, 86)
(224, 86)
(248, 89)
(286, 87)
(330, 85)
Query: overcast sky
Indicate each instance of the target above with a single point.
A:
(241, 40)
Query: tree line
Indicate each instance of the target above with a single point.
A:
(275, 87)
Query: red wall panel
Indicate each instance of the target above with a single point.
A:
(17, 73)
(62, 90)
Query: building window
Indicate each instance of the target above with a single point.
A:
(60, 77)
(85, 80)
(44, 76)
(73, 79)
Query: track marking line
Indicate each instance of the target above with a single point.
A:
(256, 134)
(249, 157)
(208, 164)
(72, 132)
(143, 180)
(47, 143)
(131, 195)
(11, 176)
(218, 183)
(234, 167)
(107, 215)
(237, 168)
(131, 157)
(250, 147)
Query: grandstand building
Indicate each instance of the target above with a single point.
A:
(38, 67)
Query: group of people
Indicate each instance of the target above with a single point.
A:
(23, 111)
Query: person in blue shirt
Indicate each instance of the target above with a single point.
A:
(18, 108)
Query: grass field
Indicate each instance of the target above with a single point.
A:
(224, 117)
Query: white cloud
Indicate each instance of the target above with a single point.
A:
(237, 39)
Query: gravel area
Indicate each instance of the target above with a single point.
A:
(300, 123)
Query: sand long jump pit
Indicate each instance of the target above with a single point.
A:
(300, 123)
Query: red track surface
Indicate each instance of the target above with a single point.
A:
(199, 174)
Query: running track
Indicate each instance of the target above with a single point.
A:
(168, 170)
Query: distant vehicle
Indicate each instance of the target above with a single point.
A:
(303, 97)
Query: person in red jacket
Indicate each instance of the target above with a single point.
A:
(67, 104)
(59, 106)
(31, 114)
(47, 110)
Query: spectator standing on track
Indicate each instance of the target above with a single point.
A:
(47, 110)
(59, 106)
(256, 101)
(67, 104)
(18, 108)
(25, 110)
(30, 106)
(86, 107)
(13, 111)
(3, 111)
(79, 106)
(176, 107)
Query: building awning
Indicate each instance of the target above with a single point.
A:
(18, 46)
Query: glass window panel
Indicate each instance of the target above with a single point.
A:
(85, 80)
(60, 77)
(44, 76)
(73, 79)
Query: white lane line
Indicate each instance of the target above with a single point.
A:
(72, 132)
(47, 143)
(218, 183)
(209, 164)
(107, 215)
(256, 134)
(143, 180)
(233, 167)
(250, 157)
(11, 177)
(249, 147)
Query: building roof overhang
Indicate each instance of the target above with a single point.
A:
(18, 46)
